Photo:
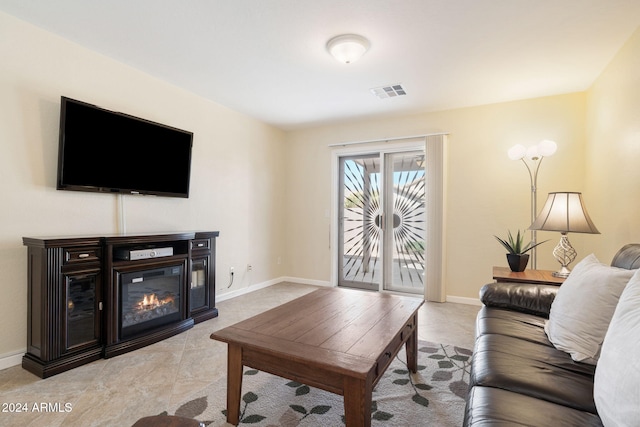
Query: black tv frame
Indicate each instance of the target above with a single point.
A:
(130, 157)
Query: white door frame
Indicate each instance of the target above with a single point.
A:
(435, 146)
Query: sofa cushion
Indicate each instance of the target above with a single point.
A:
(536, 370)
(529, 298)
(583, 307)
(617, 379)
(494, 406)
(511, 323)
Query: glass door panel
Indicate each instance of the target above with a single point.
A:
(405, 222)
(359, 257)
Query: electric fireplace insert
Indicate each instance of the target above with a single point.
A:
(150, 298)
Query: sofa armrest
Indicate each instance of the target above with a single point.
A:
(524, 297)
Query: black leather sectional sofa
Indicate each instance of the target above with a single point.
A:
(518, 377)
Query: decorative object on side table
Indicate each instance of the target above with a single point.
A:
(535, 154)
(517, 255)
(564, 212)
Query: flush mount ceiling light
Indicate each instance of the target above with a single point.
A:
(348, 48)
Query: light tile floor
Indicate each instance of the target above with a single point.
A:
(120, 390)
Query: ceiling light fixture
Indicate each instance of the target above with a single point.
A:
(348, 48)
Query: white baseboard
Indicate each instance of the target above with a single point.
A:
(450, 298)
(306, 281)
(464, 300)
(258, 286)
(11, 359)
(232, 294)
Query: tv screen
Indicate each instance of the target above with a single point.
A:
(106, 151)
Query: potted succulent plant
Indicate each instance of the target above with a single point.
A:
(517, 255)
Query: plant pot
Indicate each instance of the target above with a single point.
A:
(518, 262)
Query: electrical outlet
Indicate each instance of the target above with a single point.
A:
(231, 270)
(249, 267)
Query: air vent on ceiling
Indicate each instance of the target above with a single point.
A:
(388, 91)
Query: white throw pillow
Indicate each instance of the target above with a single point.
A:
(617, 383)
(581, 312)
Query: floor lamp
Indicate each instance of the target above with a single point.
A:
(534, 154)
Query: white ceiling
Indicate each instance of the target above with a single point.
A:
(267, 58)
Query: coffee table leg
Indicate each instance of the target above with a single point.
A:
(357, 402)
(234, 383)
(412, 351)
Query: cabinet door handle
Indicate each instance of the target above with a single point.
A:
(83, 256)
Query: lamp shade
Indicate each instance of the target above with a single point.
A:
(544, 148)
(517, 152)
(564, 212)
(547, 147)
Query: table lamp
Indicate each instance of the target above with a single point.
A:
(564, 212)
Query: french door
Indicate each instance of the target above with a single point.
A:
(381, 221)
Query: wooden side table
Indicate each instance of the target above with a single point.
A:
(545, 277)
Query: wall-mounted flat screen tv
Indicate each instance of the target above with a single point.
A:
(107, 151)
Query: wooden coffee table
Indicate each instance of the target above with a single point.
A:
(338, 340)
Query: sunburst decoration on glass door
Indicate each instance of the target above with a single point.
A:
(361, 207)
(408, 220)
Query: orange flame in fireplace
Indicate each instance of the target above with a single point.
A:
(152, 301)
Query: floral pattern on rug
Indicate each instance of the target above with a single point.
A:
(433, 395)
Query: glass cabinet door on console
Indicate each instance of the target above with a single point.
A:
(81, 308)
(202, 281)
(64, 317)
(199, 286)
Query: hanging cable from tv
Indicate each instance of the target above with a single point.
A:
(230, 279)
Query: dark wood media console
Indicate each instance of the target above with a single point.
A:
(89, 299)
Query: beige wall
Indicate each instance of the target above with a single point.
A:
(486, 192)
(237, 170)
(613, 151)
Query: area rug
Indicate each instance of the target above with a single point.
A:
(432, 396)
